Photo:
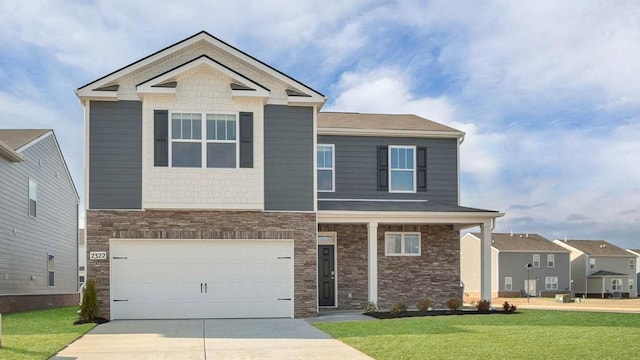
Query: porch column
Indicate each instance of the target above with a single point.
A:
(485, 261)
(372, 257)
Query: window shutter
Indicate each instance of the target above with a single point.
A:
(161, 138)
(421, 160)
(383, 168)
(246, 140)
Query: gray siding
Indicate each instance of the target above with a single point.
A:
(55, 229)
(288, 158)
(115, 155)
(356, 168)
(513, 264)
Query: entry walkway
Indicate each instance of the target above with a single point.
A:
(208, 339)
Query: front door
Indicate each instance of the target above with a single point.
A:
(326, 275)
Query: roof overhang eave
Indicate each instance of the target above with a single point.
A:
(464, 219)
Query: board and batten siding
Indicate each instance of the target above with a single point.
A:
(115, 155)
(54, 230)
(288, 157)
(356, 168)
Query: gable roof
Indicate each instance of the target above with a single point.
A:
(507, 242)
(13, 140)
(637, 251)
(99, 86)
(597, 248)
(343, 123)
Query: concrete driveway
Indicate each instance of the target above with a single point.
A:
(208, 339)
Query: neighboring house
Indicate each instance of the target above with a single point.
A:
(601, 269)
(216, 188)
(38, 223)
(636, 252)
(82, 258)
(521, 264)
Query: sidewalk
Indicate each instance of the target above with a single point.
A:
(598, 305)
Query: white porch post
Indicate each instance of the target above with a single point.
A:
(485, 261)
(373, 262)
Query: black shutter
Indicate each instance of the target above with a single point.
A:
(246, 140)
(383, 168)
(421, 160)
(161, 138)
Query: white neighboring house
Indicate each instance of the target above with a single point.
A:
(600, 269)
(636, 252)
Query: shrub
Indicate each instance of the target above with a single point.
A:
(505, 306)
(398, 308)
(453, 304)
(424, 304)
(483, 305)
(371, 308)
(89, 308)
(512, 308)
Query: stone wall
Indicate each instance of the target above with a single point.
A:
(103, 225)
(18, 303)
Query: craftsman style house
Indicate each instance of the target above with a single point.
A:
(521, 265)
(38, 223)
(217, 188)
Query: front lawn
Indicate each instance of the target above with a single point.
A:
(531, 334)
(39, 334)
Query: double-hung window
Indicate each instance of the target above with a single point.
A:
(33, 198)
(551, 260)
(536, 260)
(630, 285)
(326, 167)
(218, 147)
(616, 284)
(508, 283)
(402, 244)
(551, 283)
(51, 279)
(402, 169)
(592, 263)
(632, 264)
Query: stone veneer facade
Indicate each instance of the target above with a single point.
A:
(434, 274)
(103, 225)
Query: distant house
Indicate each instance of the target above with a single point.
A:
(511, 254)
(600, 269)
(636, 252)
(38, 223)
(82, 257)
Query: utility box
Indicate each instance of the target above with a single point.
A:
(563, 298)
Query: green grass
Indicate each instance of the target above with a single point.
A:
(39, 334)
(530, 334)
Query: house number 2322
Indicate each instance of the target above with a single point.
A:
(97, 255)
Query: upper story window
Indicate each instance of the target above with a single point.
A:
(632, 264)
(33, 198)
(326, 167)
(592, 263)
(402, 244)
(402, 169)
(218, 149)
(536, 260)
(551, 260)
(51, 274)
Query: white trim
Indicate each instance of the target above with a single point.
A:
(403, 249)
(391, 132)
(377, 200)
(549, 285)
(372, 262)
(53, 271)
(30, 180)
(413, 171)
(510, 283)
(404, 217)
(34, 141)
(9, 153)
(553, 260)
(334, 243)
(333, 166)
(620, 283)
(533, 260)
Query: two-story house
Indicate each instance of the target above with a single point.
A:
(636, 252)
(38, 223)
(217, 188)
(521, 265)
(600, 269)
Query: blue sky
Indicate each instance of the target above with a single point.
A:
(546, 91)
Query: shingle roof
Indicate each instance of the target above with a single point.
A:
(348, 120)
(597, 248)
(523, 243)
(606, 273)
(637, 251)
(17, 138)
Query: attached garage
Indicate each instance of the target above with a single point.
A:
(184, 279)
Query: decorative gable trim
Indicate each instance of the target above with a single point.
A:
(9, 153)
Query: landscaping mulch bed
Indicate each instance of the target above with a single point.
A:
(404, 314)
(98, 320)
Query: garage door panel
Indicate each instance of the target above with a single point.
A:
(162, 279)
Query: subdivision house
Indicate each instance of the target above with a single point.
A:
(521, 265)
(600, 269)
(217, 188)
(38, 223)
(636, 252)
(82, 258)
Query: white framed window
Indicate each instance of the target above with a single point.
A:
(616, 284)
(632, 264)
(536, 260)
(402, 169)
(592, 263)
(51, 271)
(203, 140)
(326, 176)
(630, 285)
(402, 244)
(33, 198)
(551, 260)
(551, 283)
(508, 283)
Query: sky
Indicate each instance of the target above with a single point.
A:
(546, 91)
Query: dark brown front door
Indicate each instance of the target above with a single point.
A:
(326, 275)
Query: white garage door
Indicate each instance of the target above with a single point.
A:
(183, 279)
